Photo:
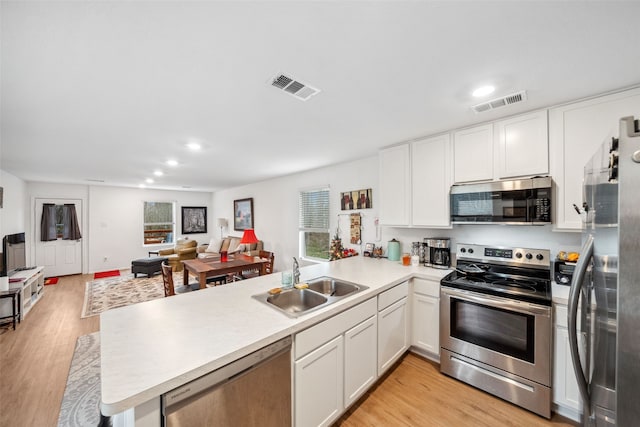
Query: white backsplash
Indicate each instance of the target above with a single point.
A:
(536, 237)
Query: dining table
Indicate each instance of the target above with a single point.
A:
(204, 268)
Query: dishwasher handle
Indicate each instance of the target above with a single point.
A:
(224, 373)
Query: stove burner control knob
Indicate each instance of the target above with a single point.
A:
(529, 256)
(463, 250)
(518, 255)
(539, 257)
(470, 250)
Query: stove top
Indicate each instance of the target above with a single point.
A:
(516, 273)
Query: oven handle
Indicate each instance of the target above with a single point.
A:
(498, 302)
(577, 283)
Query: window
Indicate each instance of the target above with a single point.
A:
(159, 222)
(314, 224)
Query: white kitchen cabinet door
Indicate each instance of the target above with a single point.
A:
(319, 385)
(360, 368)
(473, 154)
(566, 395)
(565, 385)
(395, 185)
(575, 132)
(426, 324)
(392, 334)
(431, 181)
(523, 146)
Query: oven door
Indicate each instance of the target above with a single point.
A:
(514, 336)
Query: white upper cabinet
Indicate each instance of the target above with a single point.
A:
(431, 181)
(473, 154)
(575, 132)
(395, 185)
(522, 145)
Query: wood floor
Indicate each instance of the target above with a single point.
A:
(34, 363)
(35, 358)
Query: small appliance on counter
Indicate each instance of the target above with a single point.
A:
(563, 272)
(393, 250)
(438, 252)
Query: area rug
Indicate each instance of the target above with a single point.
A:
(50, 281)
(105, 294)
(81, 401)
(103, 274)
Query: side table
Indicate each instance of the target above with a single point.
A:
(14, 294)
(156, 253)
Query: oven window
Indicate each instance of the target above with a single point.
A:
(496, 329)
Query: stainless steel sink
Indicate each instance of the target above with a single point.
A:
(296, 300)
(332, 287)
(321, 292)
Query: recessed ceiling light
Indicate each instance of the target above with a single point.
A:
(483, 91)
(158, 173)
(172, 162)
(142, 186)
(148, 181)
(194, 146)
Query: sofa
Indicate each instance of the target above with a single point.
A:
(231, 244)
(184, 249)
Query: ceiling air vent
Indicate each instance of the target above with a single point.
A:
(501, 102)
(293, 87)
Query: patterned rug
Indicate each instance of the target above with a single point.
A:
(81, 401)
(105, 294)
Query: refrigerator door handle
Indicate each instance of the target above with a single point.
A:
(574, 296)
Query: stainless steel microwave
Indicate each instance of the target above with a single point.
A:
(519, 202)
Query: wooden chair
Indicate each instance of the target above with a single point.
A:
(268, 266)
(169, 288)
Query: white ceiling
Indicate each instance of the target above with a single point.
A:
(111, 90)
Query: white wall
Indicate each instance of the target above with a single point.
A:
(111, 222)
(115, 223)
(275, 205)
(276, 215)
(13, 214)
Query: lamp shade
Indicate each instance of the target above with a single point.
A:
(222, 222)
(249, 237)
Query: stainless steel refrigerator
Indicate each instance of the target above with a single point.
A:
(604, 301)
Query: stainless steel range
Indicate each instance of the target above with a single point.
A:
(495, 323)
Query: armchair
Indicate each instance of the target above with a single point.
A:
(184, 249)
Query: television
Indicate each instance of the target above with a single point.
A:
(14, 254)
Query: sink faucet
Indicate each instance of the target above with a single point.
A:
(296, 271)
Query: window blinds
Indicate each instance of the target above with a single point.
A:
(314, 210)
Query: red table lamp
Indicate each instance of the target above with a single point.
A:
(249, 238)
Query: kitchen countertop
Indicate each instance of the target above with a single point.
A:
(150, 348)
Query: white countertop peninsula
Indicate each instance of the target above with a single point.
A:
(150, 348)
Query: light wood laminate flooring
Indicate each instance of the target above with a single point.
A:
(35, 359)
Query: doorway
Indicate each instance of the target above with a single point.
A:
(59, 257)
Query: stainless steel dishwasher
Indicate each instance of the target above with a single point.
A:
(252, 391)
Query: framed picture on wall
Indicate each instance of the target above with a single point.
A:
(194, 219)
(242, 214)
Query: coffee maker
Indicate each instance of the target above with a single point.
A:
(438, 253)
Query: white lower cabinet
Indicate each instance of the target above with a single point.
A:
(335, 363)
(393, 331)
(318, 391)
(566, 395)
(426, 317)
(360, 359)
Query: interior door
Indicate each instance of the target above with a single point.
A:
(59, 257)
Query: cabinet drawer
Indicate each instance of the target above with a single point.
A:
(387, 298)
(321, 333)
(426, 287)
